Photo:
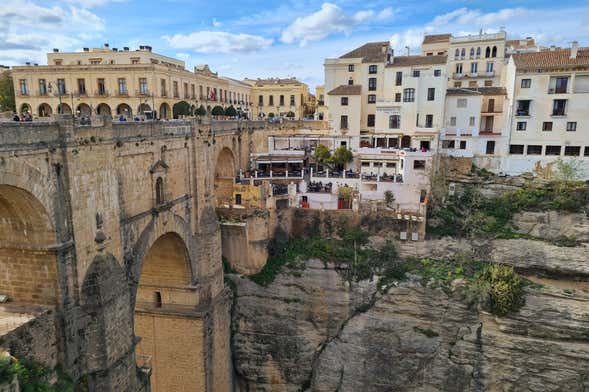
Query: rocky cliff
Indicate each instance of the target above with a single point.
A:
(311, 330)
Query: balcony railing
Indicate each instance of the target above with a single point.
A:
(142, 93)
(101, 93)
(559, 90)
(522, 113)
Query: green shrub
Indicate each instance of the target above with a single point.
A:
(505, 288)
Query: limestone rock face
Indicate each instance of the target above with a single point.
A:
(553, 224)
(309, 331)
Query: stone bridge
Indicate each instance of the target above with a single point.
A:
(112, 228)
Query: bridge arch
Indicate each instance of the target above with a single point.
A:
(225, 172)
(103, 110)
(28, 265)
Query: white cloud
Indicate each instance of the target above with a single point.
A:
(216, 23)
(28, 30)
(93, 3)
(328, 20)
(218, 42)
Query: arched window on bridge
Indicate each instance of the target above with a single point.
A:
(159, 191)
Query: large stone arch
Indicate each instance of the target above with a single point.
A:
(165, 111)
(28, 265)
(84, 109)
(103, 110)
(107, 334)
(225, 172)
(167, 321)
(45, 110)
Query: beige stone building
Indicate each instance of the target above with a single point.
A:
(321, 110)
(277, 97)
(122, 83)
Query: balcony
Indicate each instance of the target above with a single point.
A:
(142, 93)
(559, 90)
(473, 74)
(489, 74)
(458, 75)
(81, 93)
(101, 93)
(122, 93)
(558, 113)
(522, 113)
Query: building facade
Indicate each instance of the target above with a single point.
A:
(277, 97)
(126, 83)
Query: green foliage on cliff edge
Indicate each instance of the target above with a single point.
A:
(470, 214)
(33, 377)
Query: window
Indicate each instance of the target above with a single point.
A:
(490, 149)
(23, 87)
(343, 122)
(143, 86)
(521, 126)
(463, 53)
(409, 95)
(547, 126)
(489, 67)
(192, 90)
(523, 107)
(42, 87)
(457, 84)
(494, 52)
(344, 101)
(371, 98)
(429, 120)
(238, 199)
(370, 120)
(281, 100)
(472, 83)
(61, 90)
(586, 153)
(157, 299)
(292, 100)
(416, 73)
(186, 91)
(431, 93)
(418, 165)
(448, 144)
(459, 68)
(371, 84)
(122, 86)
(453, 121)
(572, 151)
(175, 90)
(571, 126)
(516, 149)
(350, 82)
(488, 83)
(397, 97)
(58, 62)
(134, 61)
(463, 144)
(471, 53)
(488, 52)
(163, 88)
(461, 102)
(558, 107)
(471, 121)
(101, 87)
(271, 100)
(437, 72)
(398, 78)
(552, 150)
(534, 150)
(561, 85)
(474, 67)
(372, 69)
(478, 52)
(365, 164)
(456, 54)
(95, 61)
(260, 100)
(159, 191)
(82, 86)
(526, 83)
(394, 121)
(350, 67)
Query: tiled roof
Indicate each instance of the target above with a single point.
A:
(346, 89)
(400, 61)
(548, 58)
(462, 91)
(435, 38)
(370, 52)
(520, 43)
(492, 90)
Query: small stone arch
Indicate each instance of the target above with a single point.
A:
(84, 109)
(494, 52)
(103, 110)
(124, 110)
(225, 172)
(144, 107)
(165, 111)
(45, 110)
(64, 108)
(487, 52)
(24, 108)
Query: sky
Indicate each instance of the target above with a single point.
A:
(256, 38)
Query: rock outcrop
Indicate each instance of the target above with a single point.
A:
(311, 330)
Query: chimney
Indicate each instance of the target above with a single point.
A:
(106, 45)
(574, 49)
(55, 50)
(115, 49)
(28, 63)
(391, 56)
(126, 48)
(86, 49)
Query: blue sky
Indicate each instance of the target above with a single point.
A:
(253, 39)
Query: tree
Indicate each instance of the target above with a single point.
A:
(218, 111)
(270, 115)
(341, 156)
(7, 102)
(290, 114)
(181, 108)
(571, 170)
(389, 198)
(322, 155)
(230, 111)
(201, 111)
